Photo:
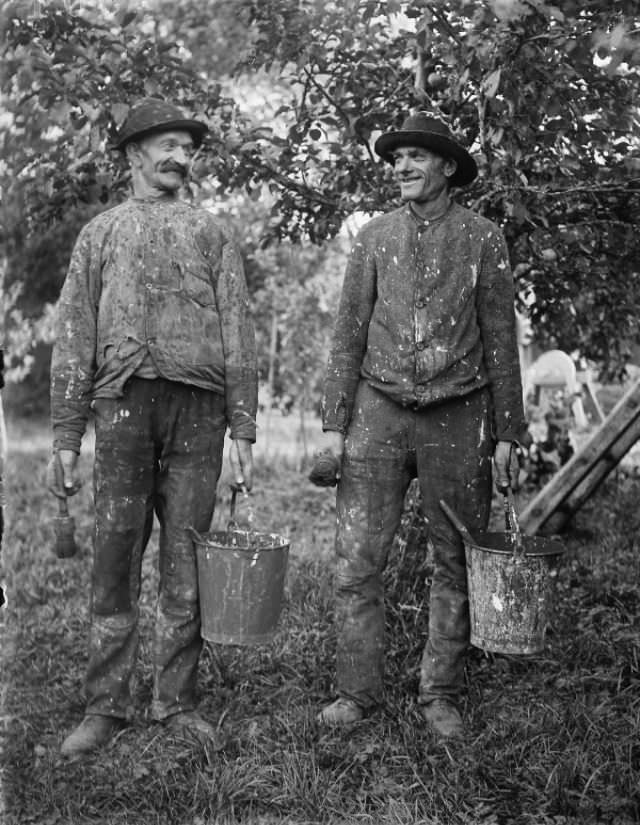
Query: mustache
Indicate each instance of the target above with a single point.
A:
(172, 166)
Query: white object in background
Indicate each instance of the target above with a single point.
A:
(556, 370)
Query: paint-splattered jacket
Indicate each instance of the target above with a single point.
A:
(154, 287)
(427, 314)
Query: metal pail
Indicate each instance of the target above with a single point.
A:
(511, 589)
(241, 577)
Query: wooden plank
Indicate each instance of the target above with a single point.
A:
(591, 400)
(566, 480)
(590, 483)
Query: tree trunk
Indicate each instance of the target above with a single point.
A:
(302, 435)
(271, 375)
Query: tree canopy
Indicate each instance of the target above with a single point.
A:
(295, 93)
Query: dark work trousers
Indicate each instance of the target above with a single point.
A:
(158, 449)
(449, 447)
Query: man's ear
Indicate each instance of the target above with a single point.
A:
(450, 166)
(132, 153)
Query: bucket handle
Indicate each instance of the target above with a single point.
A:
(198, 538)
(232, 524)
(513, 526)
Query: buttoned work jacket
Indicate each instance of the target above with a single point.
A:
(427, 314)
(153, 286)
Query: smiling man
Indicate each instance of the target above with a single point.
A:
(423, 381)
(153, 335)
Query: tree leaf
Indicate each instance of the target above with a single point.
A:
(127, 18)
(491, 83)
(119, 111)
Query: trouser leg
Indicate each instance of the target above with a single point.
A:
(192, 431)
(454, 450)
(369, 507)
(123, 482)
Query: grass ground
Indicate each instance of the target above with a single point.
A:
(553, 739)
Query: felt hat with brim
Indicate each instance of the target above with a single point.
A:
(151, 116)
(428, 132)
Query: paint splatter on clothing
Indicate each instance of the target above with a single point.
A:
(427, 315)
(423, 376)
(158, 451)
(387, 446)
(155, 288)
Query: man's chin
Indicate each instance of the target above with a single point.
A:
(411, 193)
(410, 197)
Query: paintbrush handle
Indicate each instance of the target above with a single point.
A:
(507, 513)
(63, 508)
(457, 522)
(516, 534)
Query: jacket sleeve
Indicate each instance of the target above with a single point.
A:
(73, 360)
(349, 338)
(497, 321)
(238, 340)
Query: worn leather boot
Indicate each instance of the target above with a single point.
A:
(93, 732)
(190, 723)
(444, 718)
(341, 712)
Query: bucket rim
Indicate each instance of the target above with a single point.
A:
(256, 541)
(549, 546)
(546, 546)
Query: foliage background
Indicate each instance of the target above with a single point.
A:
(295, 92)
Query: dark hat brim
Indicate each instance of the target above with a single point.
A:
(466, 167)
(196, 128)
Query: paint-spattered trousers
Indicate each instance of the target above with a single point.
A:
(448, 447)
(158, 449)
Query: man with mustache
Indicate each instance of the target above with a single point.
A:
(153, 334)
(423, 381)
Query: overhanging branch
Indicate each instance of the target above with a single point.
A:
(338, 109)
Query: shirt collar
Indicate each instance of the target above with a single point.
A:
(430, 221)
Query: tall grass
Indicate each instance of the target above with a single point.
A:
(552, 740)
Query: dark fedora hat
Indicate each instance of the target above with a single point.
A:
(423, 129)
(150, 116)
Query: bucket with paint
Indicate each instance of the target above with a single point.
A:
(510, 580)
(241, 576)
